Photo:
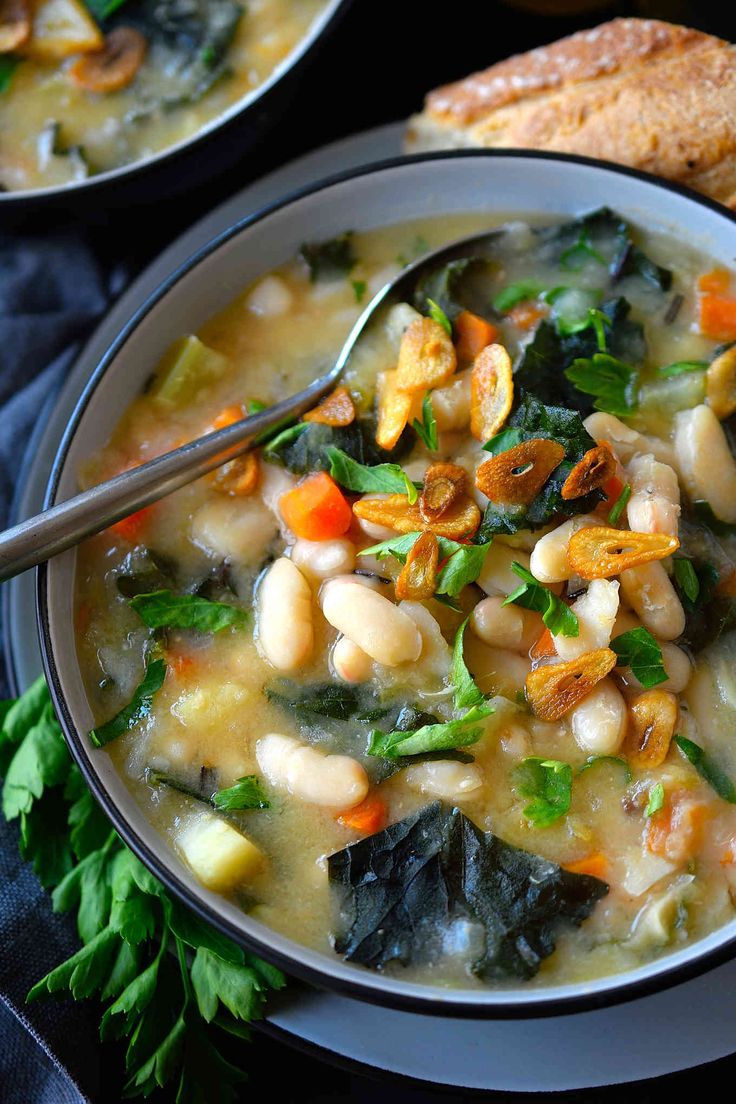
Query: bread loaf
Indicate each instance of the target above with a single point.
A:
(647, 94)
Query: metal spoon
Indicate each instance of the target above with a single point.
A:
(68, 523)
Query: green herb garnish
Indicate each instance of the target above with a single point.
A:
(246, 793)
(137, 708)
(548, 782)
(508, 297)
(707, 769)
(595, 320)
(437, 314)
(613, 383)
(620, 504)
(680, 367)
(638, 650)
(433, 737)
(686, 578)
(467, 693)
(364, 478)
(656, 799)
(463, 568)
(162, 609)
(575, 256)
(8, 64)
(503, 441)
(359, 288)
(427, 428)
(556, 614)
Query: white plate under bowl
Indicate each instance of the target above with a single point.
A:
(686, 1026)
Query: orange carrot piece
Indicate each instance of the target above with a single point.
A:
(316, 509)
(368, 817)
(718, 317)
(612, 489)
(473, 333)
(228, 416)
(544, 647)
(715, 282)
(129, 528)
(676, 831)
(596, 865)
(526, 315)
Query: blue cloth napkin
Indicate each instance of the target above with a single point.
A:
(52, 292)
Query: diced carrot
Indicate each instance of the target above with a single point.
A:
(229, 416)
(180, 663)
(596, 865)
(129, 528)
(473, 333)
(544, 647)
(368, 817)
(728, 858)
(718, 317)
(527, 314)
(676, 831)
(715, 282)
(612, 489)
(316, 509)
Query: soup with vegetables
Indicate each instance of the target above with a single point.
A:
(439, 679)
(90, 86)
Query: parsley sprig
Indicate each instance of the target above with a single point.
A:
(174, 1009)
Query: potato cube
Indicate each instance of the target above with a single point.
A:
(220, 856)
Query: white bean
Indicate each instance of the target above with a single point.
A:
(495, 670)
(496, 576)
(398, 319)
(495, 623)
(444, 778)
(436, 656)
(285, 628)
(234, 529)
(451, 404)
(324, 559)
(677, 665)
(649, 591)
(350, 663)
(371, 528)
(624, 440)
(335, 781)
(596, 612)
(269, 298)
(706, 464)
(375, 624)
(654, 506)
(548, 561)
(599, 721)
(515, 741)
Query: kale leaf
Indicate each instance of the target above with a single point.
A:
(459, 285)
(604, 236)
(305, 447)
(533, 418)
(549, 354)
(327, 260)
(327, 699)
(401, 890)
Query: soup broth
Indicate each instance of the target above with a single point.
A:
(200, 59)
(368, 701)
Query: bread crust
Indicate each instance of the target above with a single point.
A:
(640, 92)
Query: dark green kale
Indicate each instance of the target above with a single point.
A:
(305, 447)
(327, 260)
(142, 571)
(533, 418)
(459, 285)
(549, 354)
(336, 700)
(401, 890)
(605, 237)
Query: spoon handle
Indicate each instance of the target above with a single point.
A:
(66, 524)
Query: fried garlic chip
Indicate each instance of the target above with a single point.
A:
(600, 552)
(720, 384)
(517, 475)
(590, 473)
(419, 574)
(394, 410)
(652, 721)
(427, 356)
(239, 477)
(443, 485)
(336, 409)
(15, 24)
(395, 512)
(491, 392)
(553, 690)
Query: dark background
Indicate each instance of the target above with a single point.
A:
(376, 67)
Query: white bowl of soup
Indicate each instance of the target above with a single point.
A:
(90, 92)
(429, 699)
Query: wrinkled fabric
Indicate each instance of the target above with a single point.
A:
(52, 293)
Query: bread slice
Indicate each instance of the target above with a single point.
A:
(640, 92)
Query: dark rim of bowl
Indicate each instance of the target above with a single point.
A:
(538, 1006)
(218, 125)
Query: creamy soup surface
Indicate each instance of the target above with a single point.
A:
(338, 739)
(96, 86)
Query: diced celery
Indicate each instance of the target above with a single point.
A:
(186, 367)
(670, 395)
